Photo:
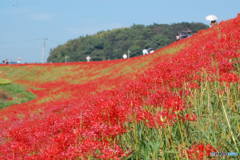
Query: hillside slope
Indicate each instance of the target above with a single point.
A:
(181, 102)
(114, 43)
(62, 80)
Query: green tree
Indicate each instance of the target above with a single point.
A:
(112, 44)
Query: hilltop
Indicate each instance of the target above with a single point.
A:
(112, 44)
(180, 102)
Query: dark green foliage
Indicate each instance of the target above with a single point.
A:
(114, 43)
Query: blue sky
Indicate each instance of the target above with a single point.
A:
(25, 23)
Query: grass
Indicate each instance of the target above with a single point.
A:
(4, 81)
(31, 76)
(14, 94)
(68, 72)
(151, 143)
(217, 107)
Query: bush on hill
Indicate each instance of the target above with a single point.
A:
(113, 44)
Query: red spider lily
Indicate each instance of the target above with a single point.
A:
(229, 77)
(191, 117)
(80, 111)
(200, 151)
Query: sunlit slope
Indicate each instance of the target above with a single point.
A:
(82, 72)
(181, 102)
(50, 80)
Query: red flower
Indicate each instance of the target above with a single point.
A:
(200, 151)
(229, 77)
(191, 117)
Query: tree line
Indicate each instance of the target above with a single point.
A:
(112, 44)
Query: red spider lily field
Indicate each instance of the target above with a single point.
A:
(181, 102)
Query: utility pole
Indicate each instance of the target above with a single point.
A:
(44, 49)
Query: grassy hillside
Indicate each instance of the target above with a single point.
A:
(180, 102)
(42, 79)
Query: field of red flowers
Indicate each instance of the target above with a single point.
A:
(180, 102)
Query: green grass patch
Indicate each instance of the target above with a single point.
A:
(4, 81)
(174, 50)
(151, 143)
(11, 94)
(217, 107)
(39, 74)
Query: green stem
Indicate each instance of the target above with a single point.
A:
(229, 125)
